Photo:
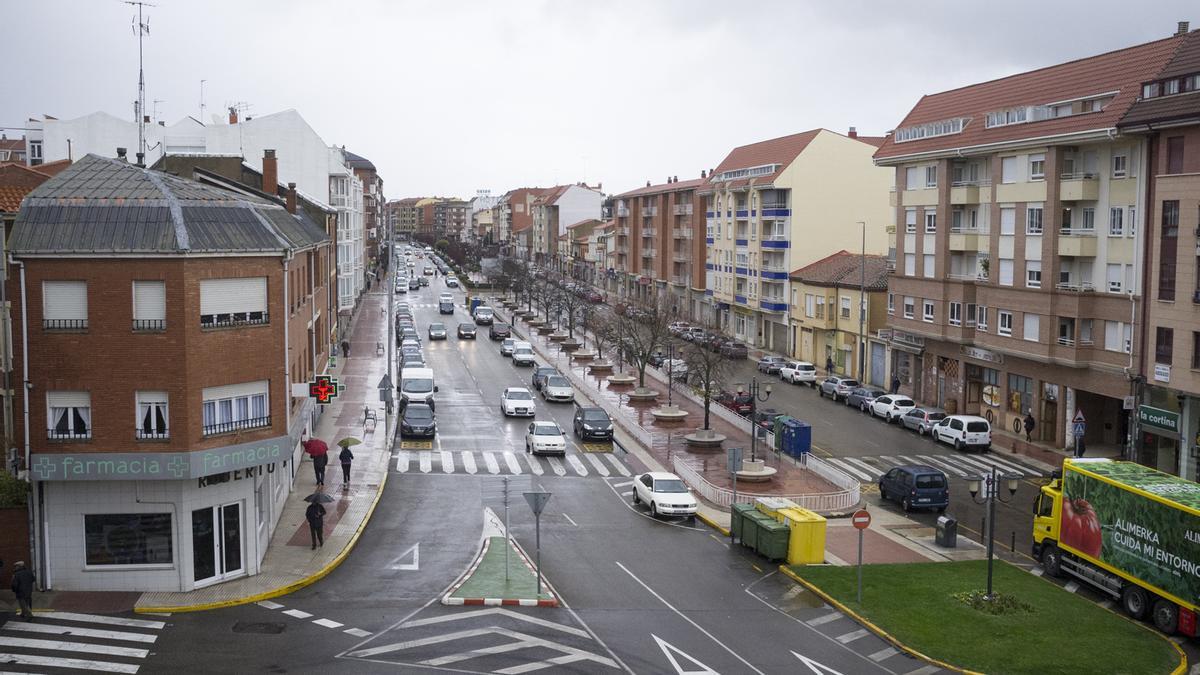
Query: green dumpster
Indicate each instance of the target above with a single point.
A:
(777, 429)
(736, 516)
(773, 539)
(753, 523)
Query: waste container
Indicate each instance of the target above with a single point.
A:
(797, 437)
(752, 528)
(946, 533)
(773, 540)
(773, 505)
(806, 543)
(737, 518)
(777, 430)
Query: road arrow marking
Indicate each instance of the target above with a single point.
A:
(415, 550)
(671, 650)
(817, 668)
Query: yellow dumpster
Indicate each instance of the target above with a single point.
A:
(773, 505)
(806, 543)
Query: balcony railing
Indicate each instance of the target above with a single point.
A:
(682, 209)
(151, 434)
(227, 427)
(622, 211)
(1078, 175)
(1066, 341)
(648, 253)
(682, 256)
(1078, 231)
(771, 267)
(1076, 286)
(68, 435)
(621, 230)
(648, 231)
(970, 183)
(64, 324)
(683, 233)
(774, 205)
(774, 236)
(234, 319)
(959, 229)
(149, 325)
(649, 211)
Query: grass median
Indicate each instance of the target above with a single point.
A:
(1043, 630)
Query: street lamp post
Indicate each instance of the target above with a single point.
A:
(756, 394)
(990, 494)
(670, 372)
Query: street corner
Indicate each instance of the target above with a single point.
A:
(501, 575)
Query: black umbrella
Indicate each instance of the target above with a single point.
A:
(320, 498)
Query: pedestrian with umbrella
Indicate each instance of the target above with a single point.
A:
(319, 452)
(315, 515)
(346, 457)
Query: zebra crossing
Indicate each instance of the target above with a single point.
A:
(869, 469)
(74, 641)
(603, 465)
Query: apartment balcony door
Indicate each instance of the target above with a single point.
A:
(217, 543)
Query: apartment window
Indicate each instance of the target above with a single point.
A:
(1005, 323)
(910, 220)
(891, 304)
(233, 302)
(1033, 324)
(910, 264)
(1033, 273)
(927, 311)
(140, 538)
(909, 307)
(1175, 154)
(1163, 342)
(971, 312)
(845, 310)
(931, 176)
(1120, 165)
(1114, 275)
(1089, 219)
(810, 305)
(955, 313)
(35, 153)
(1037, 167)
(912, 178)
(1132, 221)
(233, 407)
(1033, 219)
(1116, 221)
(981, 318)
(152, 418)
(1118, 336)
(149, 305)
(928, 265)
(930, 221)
(1168, 245)
(1008, 220)
(70, 415)
(1195, 350)
(1085, 332)
(64, 305)
(820, 307)
(1008, 170)
(1006, 272)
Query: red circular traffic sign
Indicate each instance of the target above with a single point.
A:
(862, 519)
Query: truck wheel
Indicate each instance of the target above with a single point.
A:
(1135, 601)
(1052, 560)
(1166, 616)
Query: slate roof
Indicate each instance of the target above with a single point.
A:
(845, 270)
(1186, 61)
(1122, 71)
(358, 161)
(106, 206)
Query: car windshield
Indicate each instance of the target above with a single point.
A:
(849, 383)
(437, 326)
(875, 393)
(418, 414)
(519, 396)
(546, 430)
(525, 351)
(418, 385)
(595, 415)
(466, 326)
(805, 367)
(669, 485)
(508, 342)
(557, 381)
(931, 480)
(904, 402)
(977, 426)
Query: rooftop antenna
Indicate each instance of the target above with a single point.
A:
(154, 113)
(141, 27)
(202, 106)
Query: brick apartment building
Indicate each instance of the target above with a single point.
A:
(161, 324)
(375, 229)
(405, 216)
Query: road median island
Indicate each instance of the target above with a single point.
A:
(486, 582)
(930, 610)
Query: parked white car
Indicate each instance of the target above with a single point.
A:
(516, 401)
(799, 372)
(557, 388)
(892, 407)
(545, 438)
(677, 368)
(664, 493)
(964, 431)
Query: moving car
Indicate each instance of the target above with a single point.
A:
(540, 374)
(451, 282)
(593, 423)
(506, 347)
(921, 420)
(424, 281)
(516, 402)
(466, 331)
(799, 372)
(545, 438)
(664, 493)
(837, 387)
(892, 407)
(499, 331)
(414, 284)
(437, 331)
(522, 354)
(964, 431)
(771, 364)
(418, 421)
(483, 316)
(916, 486)
(862, 397)
(416, 386)
(445, 307)
(428, 271)
(557, 388)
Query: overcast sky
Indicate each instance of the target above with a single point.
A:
(449, 96)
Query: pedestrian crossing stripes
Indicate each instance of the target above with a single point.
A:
(869, 469)
(510, 463)
(117, 646)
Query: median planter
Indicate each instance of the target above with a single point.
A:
(643, 394)
(558, 337)
(704, 439)
(582, 354)
(756, 471)
(543, 329)
(570, 346)
(600, 366)
(669, 413)
(621, 380)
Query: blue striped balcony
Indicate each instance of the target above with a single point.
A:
(739, 299)
(769, 274)
(775, 243)
(741, 242)
(772, 306)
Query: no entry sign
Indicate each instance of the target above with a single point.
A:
(861, 519)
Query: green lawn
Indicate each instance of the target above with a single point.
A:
(1062, 634)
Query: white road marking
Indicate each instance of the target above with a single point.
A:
(622, 484)
(59, 645)
(111, 620)
(939, 462)
(426, 462)
(1037, 571)
(570, 521)
(621, 468)
(597, 464)
(297, 613)
(447, 461)
(816, 667)
(402, 461)
(975, 464)
(872, 471)
(328, 623)
(695, 625)
(469, 462)
(493, 467)
(557, 466)
(514, 467)
(824, 619)
(55, 662)
(927, 669)
(534, 465)
(356, 632)
(627, 493)
(885, 653)
(846, 466)
(74, 631)
(268, 604)
(577, 465)
(415, 550)
(852, 636)
(670, 650)
(1007, 466)
(501, 611)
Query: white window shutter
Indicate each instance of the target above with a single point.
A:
(64, 300)
(150, 300)
(69, 399)
(230, 296)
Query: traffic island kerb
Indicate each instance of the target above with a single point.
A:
(487, 583)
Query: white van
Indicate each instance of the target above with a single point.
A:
(416, 386)
(522, 353)
(964, 432)
(483, 315)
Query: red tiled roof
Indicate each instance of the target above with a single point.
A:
(18, 180)
(52, 169)
(14, 144)
(664, 188)
(1121, 71)
(876, 141)
(1176, 106)
(10, 198)
(586, 221)
(782, 151)
(845, 269)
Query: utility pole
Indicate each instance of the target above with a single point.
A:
(862, 306)
(141, 28)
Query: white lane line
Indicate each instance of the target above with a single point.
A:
(514, 467)
(447, 461)
(402, 461)
(846, 466)
(59, 645)
(75, 631)
(268, 604)
(356, 632)
(872, 470)
(468, 460)
(695, 625)
(426, 462)
(624, 483)
(111, 620)
(79, 664)
(1007, 466)
(557, 466)
(597, 465)
(885, 653)
(824, 619)
(534, 465)
(577, 465)
(328, 623)
(621, 468)
(492, 466)
(297, 613)
(852, 636)
(627, 493)
(927, 669)
(936, 461)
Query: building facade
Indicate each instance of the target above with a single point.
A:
(375, 225)
(405, 216)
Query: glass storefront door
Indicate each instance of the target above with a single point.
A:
(217, 543)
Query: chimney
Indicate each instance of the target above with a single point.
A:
(146, 119)
(121, 153)
(291, 198)
(853, 132)
(676, 179)
(647, 183)
(141, 159)
(1183, 28)
(270, 173)
(232, 115)
(703, 173)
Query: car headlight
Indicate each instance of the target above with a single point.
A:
(589, 427)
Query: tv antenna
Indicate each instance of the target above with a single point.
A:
(154, 113)
(202, 106)
(141, 28)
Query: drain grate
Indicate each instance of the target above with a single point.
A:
(259, 627)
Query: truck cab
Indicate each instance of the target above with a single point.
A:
(1047, 513)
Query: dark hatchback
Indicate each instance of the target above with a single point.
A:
(418, 421)
(593, 424)
(499, 331)
(466, 331)
(916, 486)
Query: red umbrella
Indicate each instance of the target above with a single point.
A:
(315, 447)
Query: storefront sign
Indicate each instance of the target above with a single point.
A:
(981, 354)
(1157, 418)
(158, 465)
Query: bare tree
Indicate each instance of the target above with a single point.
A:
(643, 331)
(707, 370)
(602, 325)
(573, 306)
(545, 296)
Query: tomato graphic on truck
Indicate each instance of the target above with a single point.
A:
(1081, 527)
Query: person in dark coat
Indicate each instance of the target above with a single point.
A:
(315, 515)
(895, 385)
(319, 464)
(22, 587)
(345, 349)
(346, 458)
(1030, 424)
(828, 365)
